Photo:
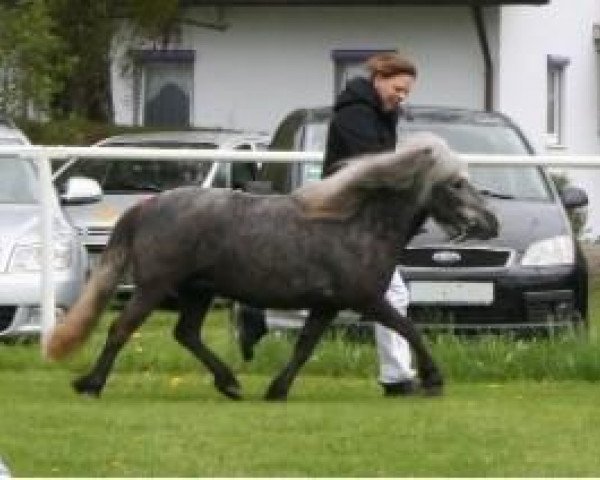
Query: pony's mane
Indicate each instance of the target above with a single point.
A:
(421, 161)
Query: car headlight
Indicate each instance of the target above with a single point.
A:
(27, 257)
(557, 250)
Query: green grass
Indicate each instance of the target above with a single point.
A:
(512, 408)
(152, 425)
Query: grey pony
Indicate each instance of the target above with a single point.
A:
(327, 246)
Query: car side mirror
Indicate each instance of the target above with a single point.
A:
(573, 197)
(78, 190)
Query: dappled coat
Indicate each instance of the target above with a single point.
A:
(327, 246)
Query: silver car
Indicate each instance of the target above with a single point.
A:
(123, 183)
(11, 135)
(20, 246)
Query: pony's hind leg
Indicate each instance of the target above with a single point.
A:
(193, 308)
(310, 334)
(133, 315)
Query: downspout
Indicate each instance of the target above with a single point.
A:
(488, 99)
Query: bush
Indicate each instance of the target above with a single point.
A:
(578, 216)
(71, 131)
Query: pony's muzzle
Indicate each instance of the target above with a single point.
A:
(483, 226)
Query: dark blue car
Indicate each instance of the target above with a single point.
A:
(532, 276)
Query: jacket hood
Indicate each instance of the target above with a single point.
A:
(358, 90)
(361, 90)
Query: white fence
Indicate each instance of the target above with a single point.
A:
(43, 155)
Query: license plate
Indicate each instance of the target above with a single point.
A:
(453, 293)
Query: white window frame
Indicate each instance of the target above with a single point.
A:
(145, 57)
(556, 100)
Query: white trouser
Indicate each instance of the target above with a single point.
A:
(4, 472)
(393, 349)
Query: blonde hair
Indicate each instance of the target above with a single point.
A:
(388, 65)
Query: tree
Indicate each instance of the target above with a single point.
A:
(33, 59)
(56, 53)
(88, 28)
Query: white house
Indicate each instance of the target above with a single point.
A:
(246, 63)
(548, 82)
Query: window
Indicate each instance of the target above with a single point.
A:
(348, 64)
(242, 173)
(556, 99)
(18, 181)
(164, 87)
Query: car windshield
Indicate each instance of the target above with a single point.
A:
(527, 183)
(131, 176)
(470, 137)
(18, 181)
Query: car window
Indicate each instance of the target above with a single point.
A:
(471, 138)
(222, 176)
(243, 172)
(18, 181)
(163, 144)
(131, 175)
(464, 138)
(278, 175)
(315, 139)
(142, 175)
(518, 182)
(526, 183)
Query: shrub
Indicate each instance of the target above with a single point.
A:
(71, 131)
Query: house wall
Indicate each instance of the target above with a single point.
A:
(274, 59)
(526, 36)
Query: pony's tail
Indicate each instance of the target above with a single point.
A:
(72, 331)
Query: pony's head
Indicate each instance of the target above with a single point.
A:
(423, 170)
(442, 181)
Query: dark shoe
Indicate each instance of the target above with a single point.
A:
(251, 328)
(407, 387)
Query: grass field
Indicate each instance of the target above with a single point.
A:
(512, 408)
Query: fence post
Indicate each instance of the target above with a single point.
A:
(47, 206)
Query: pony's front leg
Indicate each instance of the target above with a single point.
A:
(133, 315)
(311, 332)
(431, 379)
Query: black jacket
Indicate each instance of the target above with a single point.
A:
(359, 125)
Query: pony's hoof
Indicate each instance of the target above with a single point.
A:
(84, 386)
(433, 390)
(433, 386)
(274, 395)
(232, 390)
